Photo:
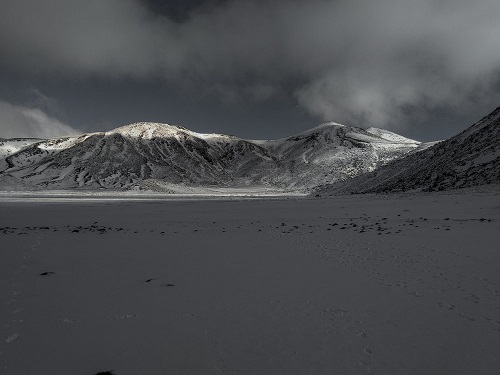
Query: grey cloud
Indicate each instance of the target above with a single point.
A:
(37, 99)
(434, 55)
(262, 91)
(383, 63)
(19, 121)
(113, 37)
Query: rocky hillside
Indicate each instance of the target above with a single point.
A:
(471, 158)
(155, 156)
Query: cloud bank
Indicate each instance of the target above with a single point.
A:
(368, 63)
(19, 122)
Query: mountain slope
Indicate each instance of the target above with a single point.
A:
(11, 146)
(151, 155)
(471, 158)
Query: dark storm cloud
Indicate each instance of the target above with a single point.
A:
(384, 63)
(112, 37)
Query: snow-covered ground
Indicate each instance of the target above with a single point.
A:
(395, 284)
(178, 192)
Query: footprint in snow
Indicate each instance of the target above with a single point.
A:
(361, 334)
(446, 306)
(12, 337)
(368, 351)
(128, 316)
(67, 321)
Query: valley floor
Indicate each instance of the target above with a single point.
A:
(345, 285)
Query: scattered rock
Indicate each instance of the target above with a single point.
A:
(47, 273)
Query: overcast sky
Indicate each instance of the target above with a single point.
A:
(426, 69)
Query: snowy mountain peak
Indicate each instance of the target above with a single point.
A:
(322, 128)
(161, 156)
(148, 130)
(330, 124)
(390, 136)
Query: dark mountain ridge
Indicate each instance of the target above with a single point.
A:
(471, 158)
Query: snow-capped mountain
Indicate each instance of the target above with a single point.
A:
(159, 156)
(11, 146)
(471, 158)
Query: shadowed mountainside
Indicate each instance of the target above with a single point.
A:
(471, 158)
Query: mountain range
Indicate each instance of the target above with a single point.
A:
(328, 159)
(168, 158)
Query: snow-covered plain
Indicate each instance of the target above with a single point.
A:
(392, 284)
